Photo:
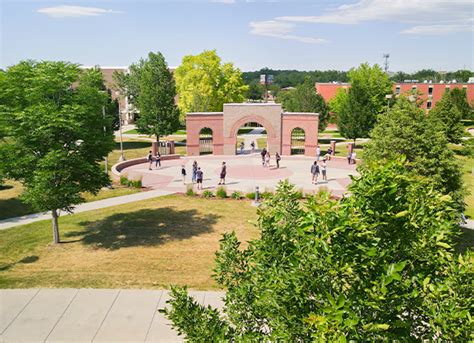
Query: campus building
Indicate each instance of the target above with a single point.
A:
(430, 92)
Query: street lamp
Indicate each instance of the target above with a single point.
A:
(122, 157)
(388, 97)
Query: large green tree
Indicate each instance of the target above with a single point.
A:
(150, 87)
(359, 107)
(58, 136)
(205, 84)
(406, 130)
(459, 97)
(448, 118)
(305, 99)
(375, 266)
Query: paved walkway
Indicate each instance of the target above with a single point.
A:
(94, 205)
(244, 173)
(89, 315)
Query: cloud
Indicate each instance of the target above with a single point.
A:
(437, 29)
(435, 16)
(74, 11)
(282, 30)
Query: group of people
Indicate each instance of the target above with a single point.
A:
(157, 160)
(326, 157)
(266, 158)
(197, 175)
(351, 157)
(252, 147)
(319, 168)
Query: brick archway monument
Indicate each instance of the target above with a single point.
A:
(225, 126)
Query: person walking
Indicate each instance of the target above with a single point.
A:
(223, 173)
(267, 159)
(183, 174)
(323, 170)
(149, 159)
(349, 158)
(242, 146)
(277, 159)
(263, 153)
(199, 177)
(318, 153)
(315, 172)
(158, 160)
(194, 174)
(353, 157)
(252, 146)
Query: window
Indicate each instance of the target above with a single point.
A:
(413, 89)
(430, 90)
(397, 90)
(428, 105)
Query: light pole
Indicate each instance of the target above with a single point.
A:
(105, 133)
(121, 158)
(388, 97)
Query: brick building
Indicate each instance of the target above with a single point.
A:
(430, 92)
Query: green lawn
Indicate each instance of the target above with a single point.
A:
(146, 244)
(135, 132)
(12, 206)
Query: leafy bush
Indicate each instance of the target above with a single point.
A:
(135, 183)
(236, 195)
(123, 180)
(266, 195)
(250, 195)
(221, 192)
(190, 191)
(207, 194)
(375, 266)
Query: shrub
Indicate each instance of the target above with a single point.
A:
(266, 195)
(376, 266)
(190, 191)
(221, 192)
(123, 180)
(300, 193)
(207, 194)
(236, 195)
(250, 195)
(136, 183)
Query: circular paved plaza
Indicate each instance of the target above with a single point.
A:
(244, 173)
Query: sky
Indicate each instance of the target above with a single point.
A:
(285, 34)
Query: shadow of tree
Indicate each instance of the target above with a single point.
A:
(14, 207)
(24, 260)
(148, 227)
(465, 241)
(127, 145)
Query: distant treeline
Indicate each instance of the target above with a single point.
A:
(292, 78)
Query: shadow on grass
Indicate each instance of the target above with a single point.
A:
(465, 241)
(144, 228)
(24, 260)
(133, 145)
(4, 187)
(13, 207)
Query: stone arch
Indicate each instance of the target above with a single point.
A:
(206, 138)
(298, 140)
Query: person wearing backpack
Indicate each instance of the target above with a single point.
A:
(183, 174)
(149, 159)
(315, 172)
(199, 176)
(277, 159)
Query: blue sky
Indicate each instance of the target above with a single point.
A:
(291, 34)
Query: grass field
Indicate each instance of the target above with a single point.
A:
(146, 244)
(12, 206)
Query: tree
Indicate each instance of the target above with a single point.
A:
(375, 266)
(150, 87)
(205, 84)
(448, 118)
(406, 130)
(364, 101)
(54, 117)
(305, 99)
(459, 97)
(255, 91)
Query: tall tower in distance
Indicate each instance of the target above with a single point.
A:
(385, 63)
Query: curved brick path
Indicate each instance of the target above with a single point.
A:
(244, 173)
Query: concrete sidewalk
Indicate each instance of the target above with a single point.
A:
(88, 206)
(89, 315)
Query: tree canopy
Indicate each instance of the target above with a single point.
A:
(448, 118)
(53, 115)
(305, 99)
(204, 83)
(359, 107)
(378, 265)
(459, 98)
(150, 87)
(406, 130)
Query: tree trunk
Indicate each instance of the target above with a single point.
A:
(355, 143)
(158, 142)
(55, 226)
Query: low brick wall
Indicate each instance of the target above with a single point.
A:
(117, 168)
